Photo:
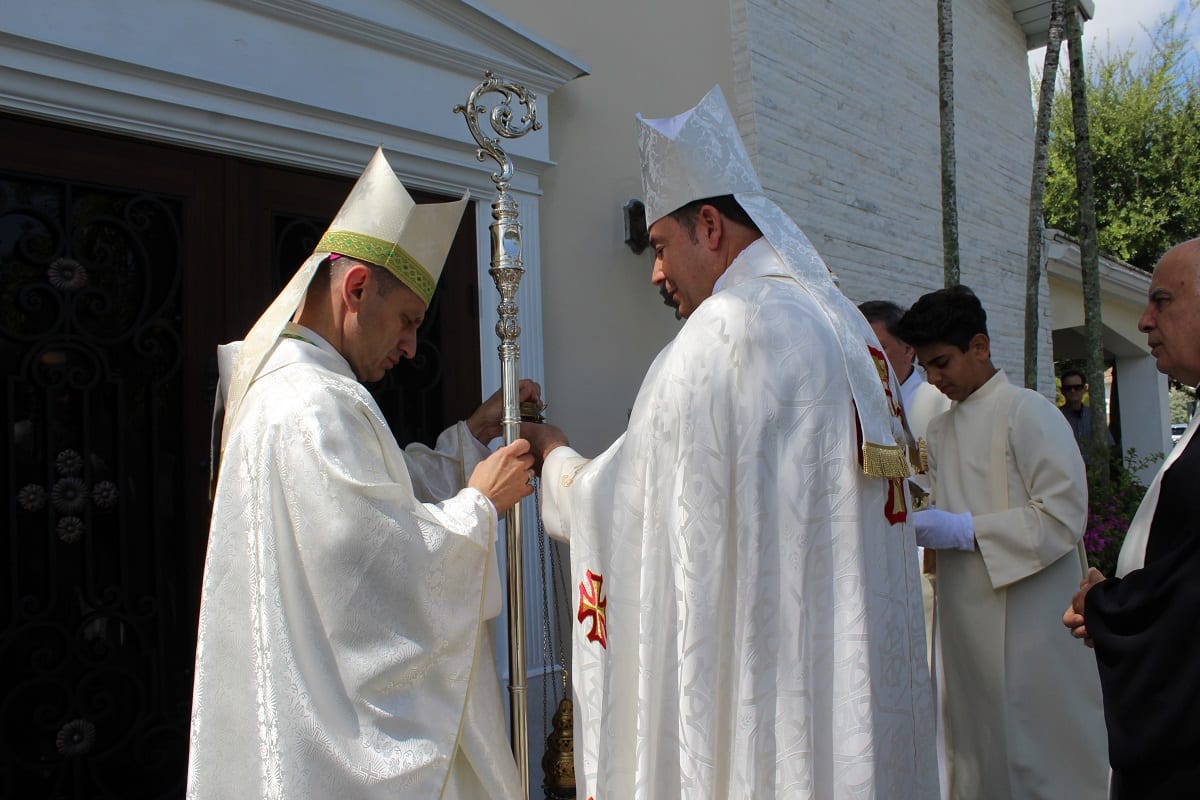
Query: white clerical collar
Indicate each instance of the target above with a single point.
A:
(748, 254)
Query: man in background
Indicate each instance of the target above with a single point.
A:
(921, 401)
(1074, 386)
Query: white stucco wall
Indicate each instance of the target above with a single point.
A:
(603, 320)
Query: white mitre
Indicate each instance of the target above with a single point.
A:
(377, 224)
(698, 155)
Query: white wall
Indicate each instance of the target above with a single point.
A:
(1145, 410)
(279, 80)
(603, 320)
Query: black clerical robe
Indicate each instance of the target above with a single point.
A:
(1144, 626)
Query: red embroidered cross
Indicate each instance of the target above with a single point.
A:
(591, 604)
(895, 508)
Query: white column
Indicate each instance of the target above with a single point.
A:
(1145, 410)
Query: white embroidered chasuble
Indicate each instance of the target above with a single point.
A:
(1022, 700)
(749, 623)
(341, 650)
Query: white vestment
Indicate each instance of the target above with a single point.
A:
(341, 648)
(922, 402)
(748, 622)
(1133, 547)
(1023, 706)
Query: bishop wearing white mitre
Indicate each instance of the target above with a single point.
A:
(342, 650)
(749, 607)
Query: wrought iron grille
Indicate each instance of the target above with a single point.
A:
(96, 636)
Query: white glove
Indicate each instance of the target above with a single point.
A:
(943, 530)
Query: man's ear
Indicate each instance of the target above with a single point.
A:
(354, 286)
(710, 226)
(980, 346)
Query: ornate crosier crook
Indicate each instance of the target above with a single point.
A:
(502, 122)
(506, 271)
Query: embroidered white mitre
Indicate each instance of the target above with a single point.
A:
(377, 224)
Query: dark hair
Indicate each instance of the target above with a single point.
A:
(726, 204)
(953, 315)
(1069, 372)
(385, 281)
(884, 311)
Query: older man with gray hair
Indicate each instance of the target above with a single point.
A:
(1140, 621)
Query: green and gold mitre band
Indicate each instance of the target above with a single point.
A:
(388, 255)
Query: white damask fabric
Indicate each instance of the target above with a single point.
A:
(1022, 699)
(341, 653)
(749, 624)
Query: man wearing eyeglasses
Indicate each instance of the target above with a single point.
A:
(1078, 415)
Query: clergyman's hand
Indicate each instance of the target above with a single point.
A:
(503, 477)
(542, 439)
(485, 421)
(1073, 616)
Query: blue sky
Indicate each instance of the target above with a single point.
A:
(1122, 24)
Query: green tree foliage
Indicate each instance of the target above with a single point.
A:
(1145, 137)
(1183, 401)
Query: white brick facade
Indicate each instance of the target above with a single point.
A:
(839, 103)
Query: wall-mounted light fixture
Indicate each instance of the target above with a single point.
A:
(636, 235)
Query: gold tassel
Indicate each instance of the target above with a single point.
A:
(885, 461)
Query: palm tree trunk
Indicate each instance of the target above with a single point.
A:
(1088, 250)
(946, 118)
(1037, 193)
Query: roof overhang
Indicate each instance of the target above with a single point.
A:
(1034, 18)
(1117, 277)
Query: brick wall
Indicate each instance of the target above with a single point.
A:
(838, 102)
